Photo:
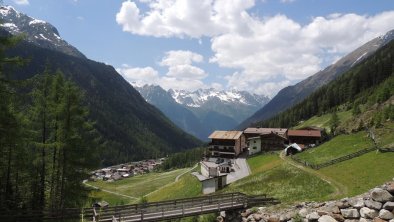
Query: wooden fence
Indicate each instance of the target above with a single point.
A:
(384, 150)
(334, 161)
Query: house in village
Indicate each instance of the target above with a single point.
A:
(227, 144)
(304, 137)
(213, 176)
(265, 139)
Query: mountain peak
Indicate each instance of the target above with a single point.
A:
(36, 31)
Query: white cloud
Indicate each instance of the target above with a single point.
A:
(167, 18)
(139, 76)
(180, 57)
(182, 74)
(21, 2)
(268, 52)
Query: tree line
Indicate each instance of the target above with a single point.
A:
(47, 144)
(184, 159)
(367, 83)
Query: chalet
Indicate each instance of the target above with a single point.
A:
(227, 144)
(254, 145)
(304, 137)
(322, 131)
(255, 132)
(265, 139)
(272, 141)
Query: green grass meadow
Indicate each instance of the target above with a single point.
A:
(362, 173)
(271, 176)
(323, 121)
(337, 147)
(187, 186)
(136, 186)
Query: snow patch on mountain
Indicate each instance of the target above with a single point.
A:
(38, 32)
(36, 21)
(199, 97)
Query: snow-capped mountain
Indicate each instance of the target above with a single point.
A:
(204, 110)
(36, 31)
(202, 96)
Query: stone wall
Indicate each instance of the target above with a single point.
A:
(377, 205)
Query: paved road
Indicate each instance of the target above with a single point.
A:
(340, 189)
(241, 169)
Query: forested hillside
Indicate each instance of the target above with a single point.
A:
(130, 128)
(47, 143)
(370, 82)
(292, 95)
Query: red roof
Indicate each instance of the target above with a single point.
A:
(306, 133)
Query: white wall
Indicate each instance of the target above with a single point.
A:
(254, 145)
(209, 186)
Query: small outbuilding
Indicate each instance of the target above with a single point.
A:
(292, 149)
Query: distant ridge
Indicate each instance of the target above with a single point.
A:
(291, 95)
(130, 128)
(202, 111)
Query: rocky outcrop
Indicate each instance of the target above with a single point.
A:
(377, 205)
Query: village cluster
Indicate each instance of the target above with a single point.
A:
(227, 151)
(126, 170)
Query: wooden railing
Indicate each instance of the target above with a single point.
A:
(153, 211)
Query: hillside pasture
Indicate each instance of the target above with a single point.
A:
(339, 146)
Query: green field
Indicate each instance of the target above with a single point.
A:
(362, 173)
(271, 176)
(323, 120)
(137, 186)
(338, 146)
(186, 186)
(263, 162)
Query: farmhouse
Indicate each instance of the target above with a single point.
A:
(272, 141)
(254, 132)
(304, 137)
(227, 144)
(265, 139)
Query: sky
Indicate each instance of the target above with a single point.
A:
(259, 46)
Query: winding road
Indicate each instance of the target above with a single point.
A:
(340, 189)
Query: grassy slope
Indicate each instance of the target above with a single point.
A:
(112, 199)
(362, 173)
(337, 147)
(323, 120)
(280, 180)
(137, 186)
(186, 186)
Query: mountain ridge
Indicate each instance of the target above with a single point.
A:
(38, 32)
(294, 94)
(131, 128)
(202, 111)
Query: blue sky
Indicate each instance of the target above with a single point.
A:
(255, 45)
